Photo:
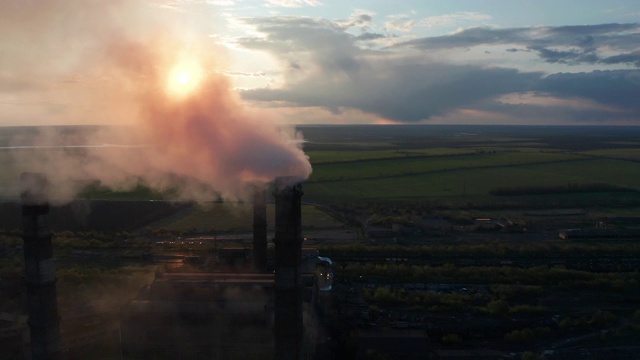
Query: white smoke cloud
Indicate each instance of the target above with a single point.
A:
(126, 62)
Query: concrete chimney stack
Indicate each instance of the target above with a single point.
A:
(288, 325)
(44, 321)
(260, 229)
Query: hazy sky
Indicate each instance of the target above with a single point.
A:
(309, 61)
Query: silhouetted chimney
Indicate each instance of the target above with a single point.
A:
(288, 326)
(44, 322)
(260, 229)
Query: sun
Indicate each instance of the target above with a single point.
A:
(184, 79)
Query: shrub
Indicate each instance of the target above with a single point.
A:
(451, 339)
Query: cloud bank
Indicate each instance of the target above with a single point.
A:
(429, 78)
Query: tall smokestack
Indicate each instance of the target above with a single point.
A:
(288, 325)
(260, 229)
(44, 322)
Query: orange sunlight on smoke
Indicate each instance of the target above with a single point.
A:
(189, 129)
(184, 79)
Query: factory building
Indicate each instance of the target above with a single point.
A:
(200, 316)
(264, 309)
(262, 312)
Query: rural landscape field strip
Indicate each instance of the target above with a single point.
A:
(478, 181)
(629, 154)
(380, 168)
(334, 157)
(390, 175)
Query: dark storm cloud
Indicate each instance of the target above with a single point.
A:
(619, 88)
(547, 115)
(470, 37)
(597, 97)
(417, 92)
(541, 36)
(566, 57)
(629, 58)
(394, 85)
(404, 92)
(562, 44)
(599, 29)
(401, 89)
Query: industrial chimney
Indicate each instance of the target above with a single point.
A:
(260, 229)
(288, 325)
(44, 322)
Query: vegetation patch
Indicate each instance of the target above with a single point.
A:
(235, 217)
(618, 153)
(139, 192)
(326, 156)
(562, 189)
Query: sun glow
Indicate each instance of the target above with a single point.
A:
(184, 79)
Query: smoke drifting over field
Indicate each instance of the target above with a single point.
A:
(149, 68)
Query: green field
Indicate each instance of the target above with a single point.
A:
(617, 153)
(448, 164)
(383, 167)
(476, 180)
(446, 167)
(473, 182)
(333, 156)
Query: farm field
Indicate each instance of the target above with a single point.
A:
(443, 166)
(472, 182)
(329, 156)
(617, 153)
(373, 168)
(453, 168)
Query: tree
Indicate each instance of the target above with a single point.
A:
(498, 307)
(528, 355)
(451, 339)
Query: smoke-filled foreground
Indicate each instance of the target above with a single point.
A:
(151, 71)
